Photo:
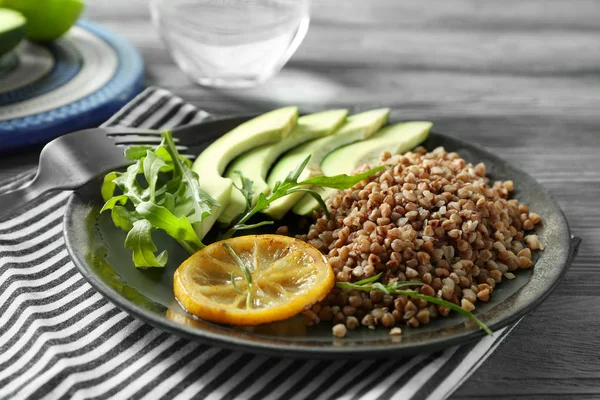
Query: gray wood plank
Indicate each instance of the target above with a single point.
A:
(519, 77)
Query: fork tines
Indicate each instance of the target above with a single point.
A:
(121, 131)
(135, 136)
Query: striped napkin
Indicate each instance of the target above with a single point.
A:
(60, 339)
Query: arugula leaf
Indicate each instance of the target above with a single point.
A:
(168, 202)
(133, 153)
(112, 202)
(377, 286)
(315, 195)
(123, 218)
(246, 189)
(448, 304)
(263, 202)
(185, 208)
(187, 162)
(372, 279)
(203, 202)
(244, 227)
(179, 229)
(295, 174)
(341, 181)
(127, 182)
(398, 285)
(109, 186)
(139, 240)
(162, 152)
(153, 165)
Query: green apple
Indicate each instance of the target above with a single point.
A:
(47, 20)
(12, 29)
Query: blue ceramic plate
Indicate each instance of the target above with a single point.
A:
(76, 82)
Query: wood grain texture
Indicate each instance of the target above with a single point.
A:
(519, 77)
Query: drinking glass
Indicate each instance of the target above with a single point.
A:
(231, 43)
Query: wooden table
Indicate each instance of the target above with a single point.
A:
(520, 77)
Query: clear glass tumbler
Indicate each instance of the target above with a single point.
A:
(231, 43)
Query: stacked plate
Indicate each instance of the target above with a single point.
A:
(74, 83)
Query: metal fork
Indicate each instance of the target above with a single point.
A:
(73, 160)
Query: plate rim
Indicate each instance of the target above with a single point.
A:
(291, 349)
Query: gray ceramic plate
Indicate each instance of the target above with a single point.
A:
(96, 247)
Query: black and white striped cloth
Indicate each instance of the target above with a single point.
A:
(60, 339)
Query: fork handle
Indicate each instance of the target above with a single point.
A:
(12, 201)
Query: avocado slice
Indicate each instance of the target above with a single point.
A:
(211, 163)
(255, 164)
(357, 127)
(397, 138)
(12, 29)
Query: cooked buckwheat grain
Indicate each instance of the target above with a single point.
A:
(430, 217)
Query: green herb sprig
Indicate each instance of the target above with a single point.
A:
(158, 191)
(371, 284)
(288, 186)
